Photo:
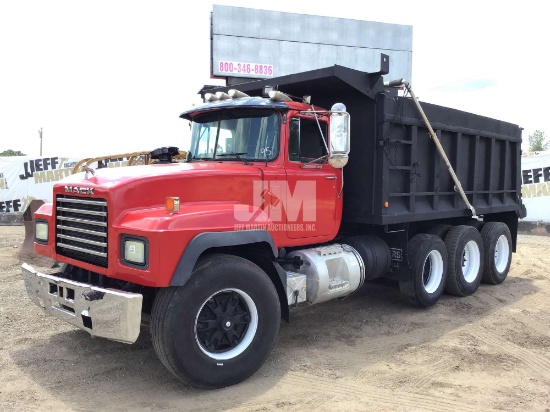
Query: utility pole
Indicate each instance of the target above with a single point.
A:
(40, 134)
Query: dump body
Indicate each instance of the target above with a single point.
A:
(395, 174)
(398, 163)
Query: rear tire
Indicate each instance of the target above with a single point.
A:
(220, 327)
(440, 230)
(466, 252)
(427, 257)
(477, 224)
(497, 242)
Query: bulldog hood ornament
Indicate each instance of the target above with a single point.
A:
(88, 169)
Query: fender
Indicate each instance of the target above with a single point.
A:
(207, 240)
(177, 240)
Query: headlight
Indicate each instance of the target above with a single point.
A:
(134, 251)
(41, 231)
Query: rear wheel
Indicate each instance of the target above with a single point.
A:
(427, 256)
(465, 248)
(220, 327)
(497, 242)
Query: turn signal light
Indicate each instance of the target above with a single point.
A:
(172, 204)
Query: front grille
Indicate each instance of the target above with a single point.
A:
(81, 229)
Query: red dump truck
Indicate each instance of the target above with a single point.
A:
(280, 203)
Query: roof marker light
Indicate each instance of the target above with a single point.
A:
(279, 96)
(236, 94)
(209, 97)
(223, 96)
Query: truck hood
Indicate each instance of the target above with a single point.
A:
(139, 187)
(112, 177)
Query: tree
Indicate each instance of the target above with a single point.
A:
(537, 142)
(10, 152)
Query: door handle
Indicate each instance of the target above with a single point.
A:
(331, 177)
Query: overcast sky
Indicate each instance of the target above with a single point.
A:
(108, 77)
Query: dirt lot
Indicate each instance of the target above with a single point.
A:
(490, 351)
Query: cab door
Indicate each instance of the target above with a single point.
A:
(313, 185)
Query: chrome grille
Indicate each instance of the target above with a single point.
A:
(81, 229)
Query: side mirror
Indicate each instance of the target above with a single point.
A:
(339, 136)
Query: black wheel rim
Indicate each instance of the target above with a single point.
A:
(222, 322)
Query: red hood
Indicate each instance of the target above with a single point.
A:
(116, 176)
(139, 187)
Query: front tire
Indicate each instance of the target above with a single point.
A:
(220, 327)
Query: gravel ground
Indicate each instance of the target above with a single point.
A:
(371, 351)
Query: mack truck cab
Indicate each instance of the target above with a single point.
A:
(200, 247)
(279, 204)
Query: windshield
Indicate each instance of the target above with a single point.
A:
(236, 134)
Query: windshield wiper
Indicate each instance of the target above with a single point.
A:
(236, 155)
(199, 158)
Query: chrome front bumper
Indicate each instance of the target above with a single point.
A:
(107, 313)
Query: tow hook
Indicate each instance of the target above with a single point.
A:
(91, 295)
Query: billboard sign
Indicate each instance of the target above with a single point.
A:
(274, 43)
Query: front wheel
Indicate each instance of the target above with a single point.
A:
(220, 327)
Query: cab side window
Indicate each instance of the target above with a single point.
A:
(305, 142)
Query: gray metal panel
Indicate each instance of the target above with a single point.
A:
(294, 43)
(291, 57)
